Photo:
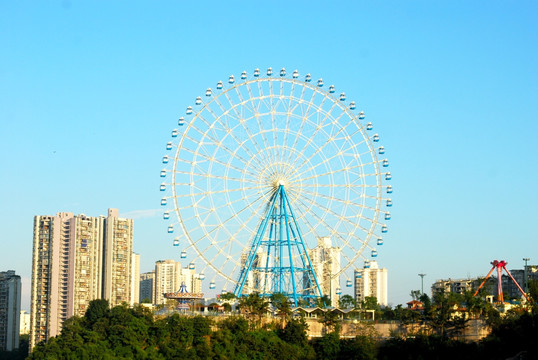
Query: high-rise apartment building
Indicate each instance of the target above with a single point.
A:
(169, 275)
(326, 262)
(77, 259)
(146, 286)
(118, 249)
(371, 281)
(135, 278)
(167, 279)
(10, 307)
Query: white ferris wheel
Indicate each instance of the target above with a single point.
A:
(262, 167)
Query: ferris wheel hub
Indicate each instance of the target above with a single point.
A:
(278, 182)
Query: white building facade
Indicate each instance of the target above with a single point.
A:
(135, 279)
(371, 281)
(326, 263)
(169, 275)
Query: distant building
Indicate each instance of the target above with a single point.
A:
(135, 279)
(510, 289)
(326, 263)
(256, 280)
(77, 259)
(146, 286)
(25, 322)
(371, 281)
(457, 286)
(118, 249)
(169, 275)
(10, 307)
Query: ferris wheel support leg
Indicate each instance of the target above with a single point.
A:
(305, 252)
(272, 232)
(292, 269)
(255, 245)
(280, 257)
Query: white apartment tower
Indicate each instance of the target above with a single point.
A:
(118, 249)
(371, 281)
(135, 279)
(77, 259)
(10, 307)
(167, 279)
(326, 262)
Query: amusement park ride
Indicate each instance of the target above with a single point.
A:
(500, 265)
(262, 167)
(185, 299)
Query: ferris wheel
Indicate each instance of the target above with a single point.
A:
(265, 170)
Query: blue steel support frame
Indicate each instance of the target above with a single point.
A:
(283, 244)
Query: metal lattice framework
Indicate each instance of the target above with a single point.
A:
(242, 142)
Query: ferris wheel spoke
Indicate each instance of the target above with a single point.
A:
(212, 159)
(339, 216)
(299, 102)
(220, 144)
(212, 176)
(206, 193)
(262, 101)
(341, 241)
(227, 243)
(321, 221)
(330, 140)
(229, 131)
(242, 121)
(240, 117)
(216, 228)
(316, 131)
(322, 163)
(336, 172)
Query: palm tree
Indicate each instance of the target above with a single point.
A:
(282, 304)
(254, 306)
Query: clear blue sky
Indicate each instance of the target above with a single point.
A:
(89, 92)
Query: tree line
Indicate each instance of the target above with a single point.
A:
(123, 332)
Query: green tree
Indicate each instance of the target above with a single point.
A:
(323, 302)
(415, 294)
(346, 302)
(294, 332)
(254, 306)
(227, 296)
(97, 309)
(327, 347)
(282, 305)
(360, 348)
(370, 303)
(331, 321)
(444, 316)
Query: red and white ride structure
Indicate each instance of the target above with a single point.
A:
(500, 265)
